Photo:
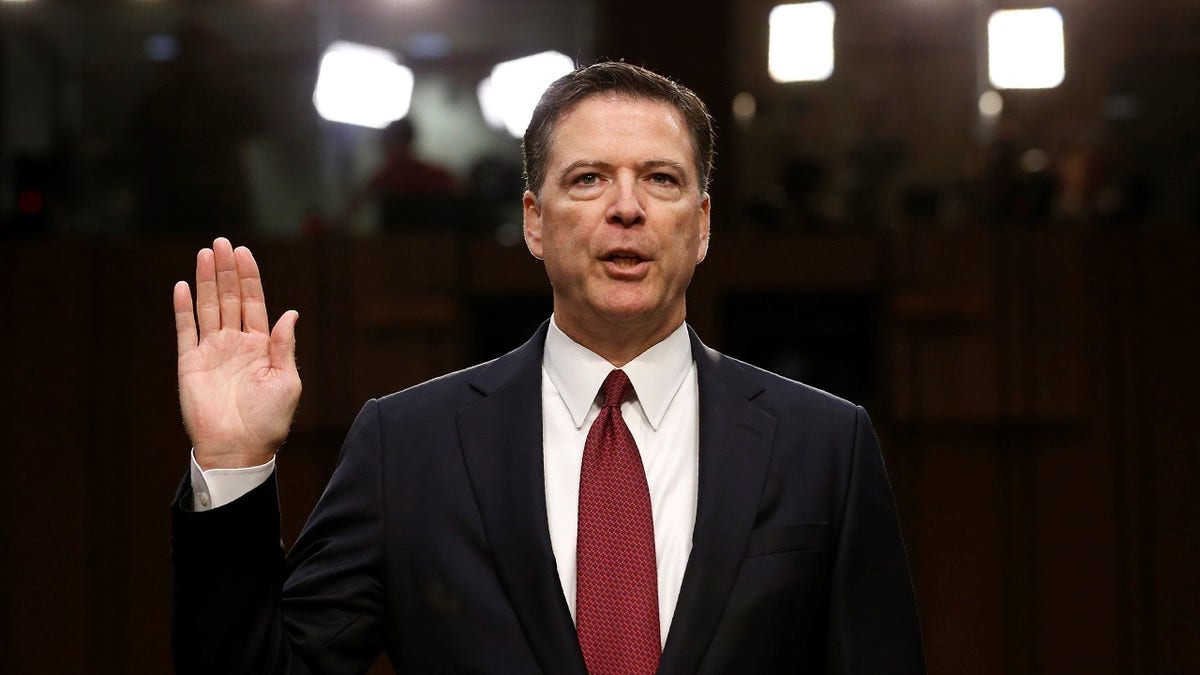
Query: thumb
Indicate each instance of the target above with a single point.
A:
(283, 341)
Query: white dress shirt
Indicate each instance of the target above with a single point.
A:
(663, 419)
(664, 422)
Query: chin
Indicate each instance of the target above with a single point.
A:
(629, 306)
(630, 314)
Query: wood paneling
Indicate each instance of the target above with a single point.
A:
(1037, 405)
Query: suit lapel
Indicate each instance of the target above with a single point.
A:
(735, 447)
(501, 436)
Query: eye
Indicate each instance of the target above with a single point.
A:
(586, 179)
(663, 179)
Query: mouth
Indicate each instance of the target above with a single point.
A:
(624, 259)
(625, 265)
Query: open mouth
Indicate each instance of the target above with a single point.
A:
(624, 259)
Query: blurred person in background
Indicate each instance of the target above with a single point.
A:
(410, 194)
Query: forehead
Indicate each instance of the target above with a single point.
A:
(610, 125)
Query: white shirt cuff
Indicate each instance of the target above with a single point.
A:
(217, 487)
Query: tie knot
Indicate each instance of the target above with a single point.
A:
(615, 389)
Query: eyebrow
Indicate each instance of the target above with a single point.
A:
(584, 164)
(605, 166)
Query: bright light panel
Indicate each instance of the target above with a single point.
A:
(362, 85)
(1025, 49)
(800, 46)
(509, 95)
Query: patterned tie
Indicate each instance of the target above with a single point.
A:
(616, 596)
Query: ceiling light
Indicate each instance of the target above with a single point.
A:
(362, 85)
(508, 96)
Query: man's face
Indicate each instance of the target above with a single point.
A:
(621, 221)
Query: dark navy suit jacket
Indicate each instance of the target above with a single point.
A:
(431, 543)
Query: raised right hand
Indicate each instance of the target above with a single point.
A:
(238, 383)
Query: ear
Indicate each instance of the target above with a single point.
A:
(705, 210)
(532, 212)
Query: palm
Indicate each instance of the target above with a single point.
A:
(238, 384)
(230, 390)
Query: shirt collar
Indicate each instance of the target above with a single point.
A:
(656, 374)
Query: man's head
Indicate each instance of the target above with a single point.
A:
(397, 137)
(629, 81)
(620, 214)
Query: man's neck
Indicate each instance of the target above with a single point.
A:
(616, 343)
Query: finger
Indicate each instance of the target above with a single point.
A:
(254, 303)
(283, 341)
(228, 294)
(207, 310)
(185, 321)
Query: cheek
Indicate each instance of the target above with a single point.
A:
(565, 264)
(686, 244)
(568, 240)
(563, 250)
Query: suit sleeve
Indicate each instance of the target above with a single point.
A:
(240, 607)
(873, 625)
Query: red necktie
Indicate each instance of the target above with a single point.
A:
(616, 595)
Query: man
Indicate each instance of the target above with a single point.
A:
(411, 193)
(611, 497)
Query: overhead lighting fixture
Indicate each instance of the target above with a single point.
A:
(362, 85)
(508, 96)
(800, 43)
(1026, 49)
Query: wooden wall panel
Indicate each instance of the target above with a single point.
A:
(1170, 377)
(49, 391)
(944, 366)
(955, 553)
(1074, 574)
(1042, 391)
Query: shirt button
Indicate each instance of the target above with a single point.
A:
(204, 499)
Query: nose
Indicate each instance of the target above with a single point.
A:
(625, 209)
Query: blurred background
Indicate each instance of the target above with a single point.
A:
(979, 218)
